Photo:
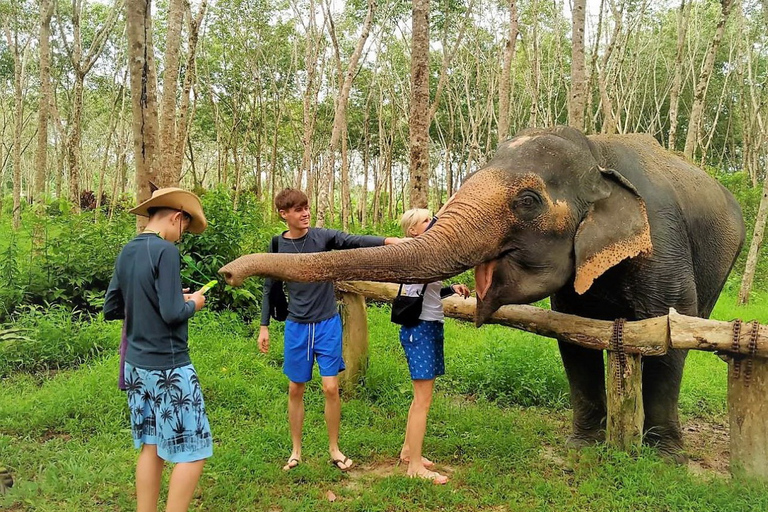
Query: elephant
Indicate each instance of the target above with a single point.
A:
(607, 226)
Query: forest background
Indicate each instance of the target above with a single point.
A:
(372, 108)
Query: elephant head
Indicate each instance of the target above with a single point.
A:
(541, 215)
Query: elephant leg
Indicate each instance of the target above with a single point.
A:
(585, 371)
(661, 389)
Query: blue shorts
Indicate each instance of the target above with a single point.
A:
(423, 346)
(167, 410)
(306, 342)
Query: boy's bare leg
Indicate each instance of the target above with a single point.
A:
(295, 418)
(149, 471)
(333, 419)
(182, 486)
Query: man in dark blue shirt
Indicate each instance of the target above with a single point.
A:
(313, 326)
(168, 416)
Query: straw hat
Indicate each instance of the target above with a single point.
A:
(176, 199)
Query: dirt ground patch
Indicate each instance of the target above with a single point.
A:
(361, 474)
(707, 444)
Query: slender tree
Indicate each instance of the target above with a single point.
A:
(340, 115)
(683, 15)
(18, 42)
(82, 65)
(578, 66)
(418, 120)
(506, 82)
(697, 109)
(46, 94)
(143, 93)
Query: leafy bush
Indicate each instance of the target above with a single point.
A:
(55, 338)
(76, 259)
(230, 234)
(748, 197)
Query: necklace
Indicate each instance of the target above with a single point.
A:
(302, 244)
(149, 231)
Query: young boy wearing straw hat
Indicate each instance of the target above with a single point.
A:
(168, 418)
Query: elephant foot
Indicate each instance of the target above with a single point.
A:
(583, 439)
(671, 452)
(669, 447)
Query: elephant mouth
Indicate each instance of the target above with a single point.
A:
(484, 274)
(484, 277)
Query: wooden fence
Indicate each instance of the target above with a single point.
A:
(743, 345)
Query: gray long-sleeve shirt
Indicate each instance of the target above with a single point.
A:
(313, 302)
(145, 290)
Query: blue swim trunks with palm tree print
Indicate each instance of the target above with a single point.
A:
(167, 410)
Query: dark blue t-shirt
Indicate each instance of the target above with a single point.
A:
(313, 302)
(146, 291)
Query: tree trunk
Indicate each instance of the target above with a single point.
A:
(112, 123)
(311, 57)
(340, 113)
(609, 119)
(167, 175)
(754, 246)
(535, 63)
(46, 94)
(593, 72)
(677, 82)
(143, 93)
(505, 85)
(362, 206)
(19, 65)
(578, 67)
(190, 75)
(73, 142)
(697, 109)
(81, 65)
(418, 121)
(346, 198)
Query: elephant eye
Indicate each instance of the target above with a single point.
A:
(527, 204)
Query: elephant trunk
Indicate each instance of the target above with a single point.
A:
(461, 239)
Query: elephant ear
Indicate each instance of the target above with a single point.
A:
(614, 229)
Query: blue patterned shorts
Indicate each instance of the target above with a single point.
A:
(423, 346)
(167, 410)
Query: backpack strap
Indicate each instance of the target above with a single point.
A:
(423, 289)
(275, 240)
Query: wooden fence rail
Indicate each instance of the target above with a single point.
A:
(743, 345)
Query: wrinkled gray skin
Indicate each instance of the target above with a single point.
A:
(607, 226)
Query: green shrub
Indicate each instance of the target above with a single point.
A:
(230, 234)
(56, 338)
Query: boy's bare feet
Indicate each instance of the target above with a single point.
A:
(435, 477)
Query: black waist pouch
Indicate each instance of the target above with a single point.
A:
(406, 309)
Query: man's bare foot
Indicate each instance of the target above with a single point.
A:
(435, 477)
(294, 461)
(424, 461)
(340, 460)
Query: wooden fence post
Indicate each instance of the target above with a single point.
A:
(624, 428)
(354, 321)
(748, 417)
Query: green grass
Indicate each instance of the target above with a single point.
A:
(499, 422)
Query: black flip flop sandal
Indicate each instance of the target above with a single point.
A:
(289, 467)
(336, 462)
